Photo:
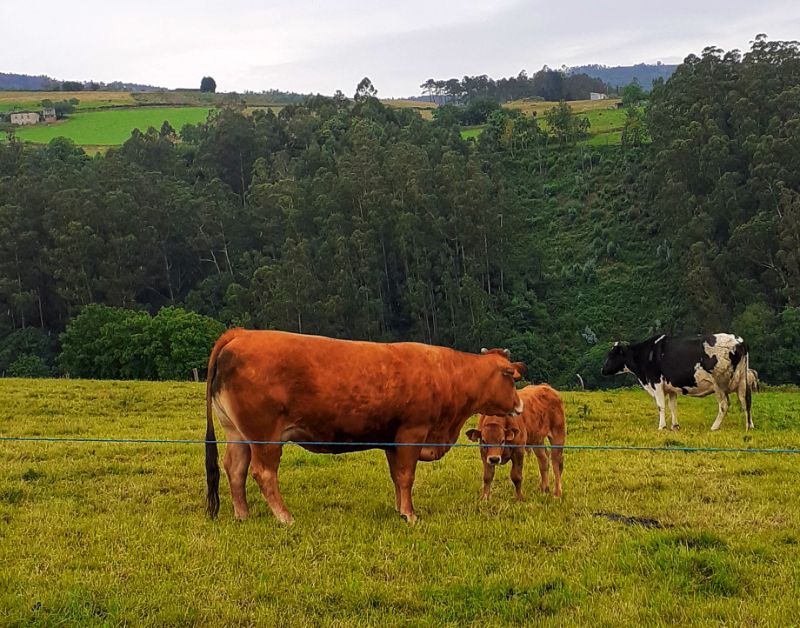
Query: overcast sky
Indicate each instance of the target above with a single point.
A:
(307, 46)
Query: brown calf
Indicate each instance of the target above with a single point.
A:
(542, 416)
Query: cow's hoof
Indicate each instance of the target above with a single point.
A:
(410, 519)
(715, 428)
(676, 427)
(661, 428)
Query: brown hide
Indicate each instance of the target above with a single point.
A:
(542, 417)
(279, 386)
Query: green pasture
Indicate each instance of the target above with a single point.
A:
(116, 534)
(605, 127)
(111, 127)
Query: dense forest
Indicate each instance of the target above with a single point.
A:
(350, 219)
(618, 76)
(546, 84)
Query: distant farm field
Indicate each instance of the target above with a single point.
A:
(109, 534)
(606, 121)
(113, 127)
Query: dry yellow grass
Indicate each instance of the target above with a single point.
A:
(117, 98)
(425, 109)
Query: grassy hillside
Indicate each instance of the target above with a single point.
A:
(109, 128)
(99, 534)
(605, 118)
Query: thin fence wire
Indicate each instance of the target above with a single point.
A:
(387, 445)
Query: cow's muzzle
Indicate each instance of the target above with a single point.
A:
(517, 410)
(493, 460)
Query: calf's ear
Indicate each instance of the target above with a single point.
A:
(474, 435)
(519, 369)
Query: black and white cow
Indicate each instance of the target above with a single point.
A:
(667, 366)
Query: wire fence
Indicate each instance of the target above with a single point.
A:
(388, 445)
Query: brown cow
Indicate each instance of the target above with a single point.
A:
(542, 416)
(278, 386)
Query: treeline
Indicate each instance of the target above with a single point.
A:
(725, 183)
(618, 76)
(355, 220)
(546, 84)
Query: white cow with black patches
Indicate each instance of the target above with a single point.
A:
(697, 366)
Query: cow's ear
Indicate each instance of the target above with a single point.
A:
(511, 434)
(474, 435)
(519, 369)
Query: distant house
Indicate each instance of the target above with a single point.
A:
(49, 114)
(597, 96)
(22, 118)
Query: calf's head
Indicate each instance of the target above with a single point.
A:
(493, 434)
(615, 361)
(499, 392)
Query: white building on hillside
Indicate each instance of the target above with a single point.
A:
(24, 117)
(597, 96)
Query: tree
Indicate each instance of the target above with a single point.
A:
(633, 93)
(365, 90)
(208, 84)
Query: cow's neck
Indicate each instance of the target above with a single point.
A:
(635, 360)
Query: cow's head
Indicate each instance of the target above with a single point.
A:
(495, 432)
(615, 361)
(499, 391)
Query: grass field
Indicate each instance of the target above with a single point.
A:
(425, 109)
(606, 122)
(543, 106)
(110, 128)
(99, 534)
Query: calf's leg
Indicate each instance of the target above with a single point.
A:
(544, 463)
(558, 437)
(488, 477)
(517, 462)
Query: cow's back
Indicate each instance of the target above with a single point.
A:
(543, 411)
(333, 389)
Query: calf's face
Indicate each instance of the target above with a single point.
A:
(493, 436)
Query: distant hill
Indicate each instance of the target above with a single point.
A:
(25, 82)
(621, 75)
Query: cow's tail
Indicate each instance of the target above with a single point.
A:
(212, 463)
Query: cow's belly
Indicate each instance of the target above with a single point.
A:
(704, 385)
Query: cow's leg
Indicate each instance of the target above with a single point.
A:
(517, 462)
(743, 392)
(722, 400)
(391, 458)
(237, 462)
(673, 410)
(405, 469)
(488, 478)
(544, 463)
(265, 461)
(658, 394)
